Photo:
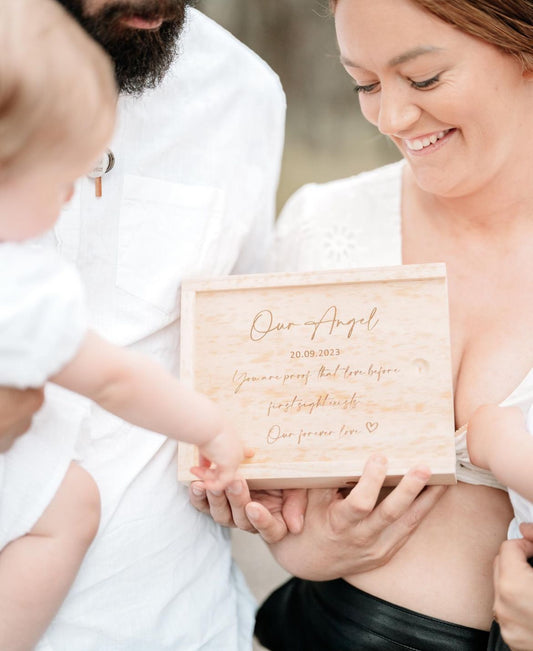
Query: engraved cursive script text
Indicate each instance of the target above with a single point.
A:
(265, 324)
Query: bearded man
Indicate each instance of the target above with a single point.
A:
(187, 188)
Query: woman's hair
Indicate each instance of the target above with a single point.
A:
(55, 84)
(506, 24)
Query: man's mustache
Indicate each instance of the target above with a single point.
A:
(167, 10)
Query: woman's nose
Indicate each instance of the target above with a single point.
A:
(397, 111)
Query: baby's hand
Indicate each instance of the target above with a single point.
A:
(220, 459)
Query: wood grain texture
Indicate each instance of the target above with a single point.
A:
(318, 370)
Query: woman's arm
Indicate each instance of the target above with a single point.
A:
(142, 392)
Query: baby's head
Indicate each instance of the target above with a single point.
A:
(57, 109)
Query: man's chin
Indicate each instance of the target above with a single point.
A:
(141, 39)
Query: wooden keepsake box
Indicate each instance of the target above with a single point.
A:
(318, 370)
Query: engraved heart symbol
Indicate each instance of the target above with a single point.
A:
(372, 427)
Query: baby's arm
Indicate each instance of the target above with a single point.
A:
(142, 392)
(498, 440)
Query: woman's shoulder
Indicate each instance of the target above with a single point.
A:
(371, 186)
(344, 223)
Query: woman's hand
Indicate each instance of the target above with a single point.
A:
(340, 534)
(16, 411)
(344, 535)
(513, 583)
(272, 513)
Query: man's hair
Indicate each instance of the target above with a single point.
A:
(506, 24)
(55, 83)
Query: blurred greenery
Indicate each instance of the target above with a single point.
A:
(326, 136)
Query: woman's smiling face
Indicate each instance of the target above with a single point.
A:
(451, 103)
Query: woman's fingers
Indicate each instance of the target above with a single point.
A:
(293, 509)
(213, 503)
(376, 532)
(227, 507)
(235, 508)
(238, 496)
(198, 497)
(353, 521)
(271, 529)
(219, 508)
(399, 500)
(362, 498)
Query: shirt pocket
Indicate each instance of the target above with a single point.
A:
(165, 233)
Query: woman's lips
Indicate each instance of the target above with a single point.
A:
(428, 143)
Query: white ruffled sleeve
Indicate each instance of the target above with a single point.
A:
(343, 224)
(42, 314)
(296, 237)
(314, 233)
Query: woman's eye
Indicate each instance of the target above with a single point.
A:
(369, 88)
(427, 83)
(419, 85)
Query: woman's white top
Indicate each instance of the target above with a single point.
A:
(42, 323)
(356, 222)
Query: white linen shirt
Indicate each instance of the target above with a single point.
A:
(192, 193)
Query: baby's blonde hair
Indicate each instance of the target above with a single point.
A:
(56, 84)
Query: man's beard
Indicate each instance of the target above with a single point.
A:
(142, 57)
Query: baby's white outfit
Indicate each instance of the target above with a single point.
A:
(42, 324)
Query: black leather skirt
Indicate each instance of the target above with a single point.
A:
(496, 642)
(335, 616)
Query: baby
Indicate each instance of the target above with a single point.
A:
(57, 105)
